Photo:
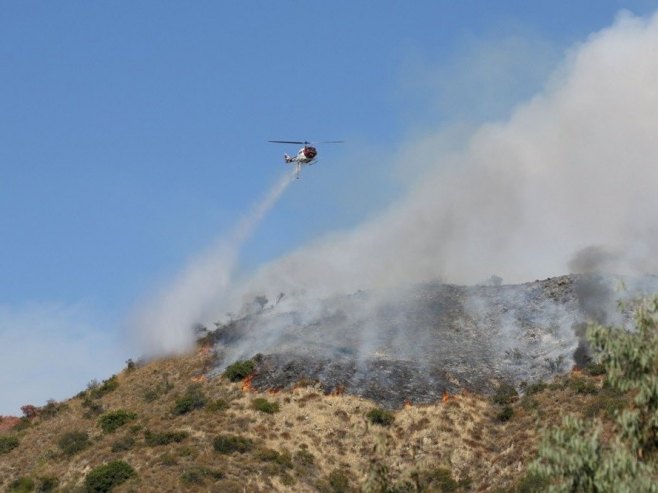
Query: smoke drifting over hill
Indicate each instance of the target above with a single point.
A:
(568, 181)
(572, 171)
(164, 324)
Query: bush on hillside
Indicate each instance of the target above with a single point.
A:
(21, 485)
(505, 394)
(380, 417)
(73, 442)
(228, 444)
(113, 420)
(573, 457)
(97, 391)
(239, 370)
(265, 406)
(104, 478)
(7, 444)
(194, 398)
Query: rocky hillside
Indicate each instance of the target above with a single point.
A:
(415, 344)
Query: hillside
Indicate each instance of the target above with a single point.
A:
(432, 388)
(184, 431)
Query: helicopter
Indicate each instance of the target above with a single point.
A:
(306, 155)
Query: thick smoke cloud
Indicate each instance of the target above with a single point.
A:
(572, 170)
(565, 183)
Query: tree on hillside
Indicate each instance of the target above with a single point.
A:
(573, 457)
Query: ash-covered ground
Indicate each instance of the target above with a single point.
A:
(416, 343)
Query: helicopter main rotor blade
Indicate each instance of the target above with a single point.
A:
(287, 141)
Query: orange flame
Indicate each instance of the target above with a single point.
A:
(246, 384)
(446, 396)
(339, 390)
(408, 404)
(199, 379)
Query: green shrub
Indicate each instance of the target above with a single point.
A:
(582, 386)
(52, 409)
(269, 455)
(239, 370)
(573, 456)
(193, 399)
(530, 483)
(123, 444)
(98, 391)
(228, 444)
(380, 417)
(21, 485)
(505, 414)
(198, 474)
(595, 369)
(505, 394)
(47, 483)
(7, 444)
(265, 406)
(338, 481)
(93, 408)
(164, 438)
(112, 421)
(535, 388)
(104, 478)
(73, 442)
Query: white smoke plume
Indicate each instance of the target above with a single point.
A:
(165, 324)
(572, 170)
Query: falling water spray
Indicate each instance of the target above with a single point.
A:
(164, 325)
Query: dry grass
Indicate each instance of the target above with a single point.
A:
(314, 441)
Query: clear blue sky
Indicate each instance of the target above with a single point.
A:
(132, 134)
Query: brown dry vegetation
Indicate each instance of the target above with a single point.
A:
(315, 442)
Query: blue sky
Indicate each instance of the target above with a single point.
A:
(133, 134)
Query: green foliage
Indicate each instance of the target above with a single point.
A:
(239, 370)
(380, 417)
(594, 369)
(93, 408)
(505, 414)
(582, 386)
(338, 481)
(265, 406)
(573, 458)
(7, 444)
(438, 479)
(47, 483)
(194, 398)
(228, 444)
(535, 388)
(113, 420)
(123, 444)
(196, 475)
(631, 362)
(165, 438)
(97, 391)
(104, 478)
(505, 394)
(21, 485)
(530, 483)
(52, 409)
(73, 442)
